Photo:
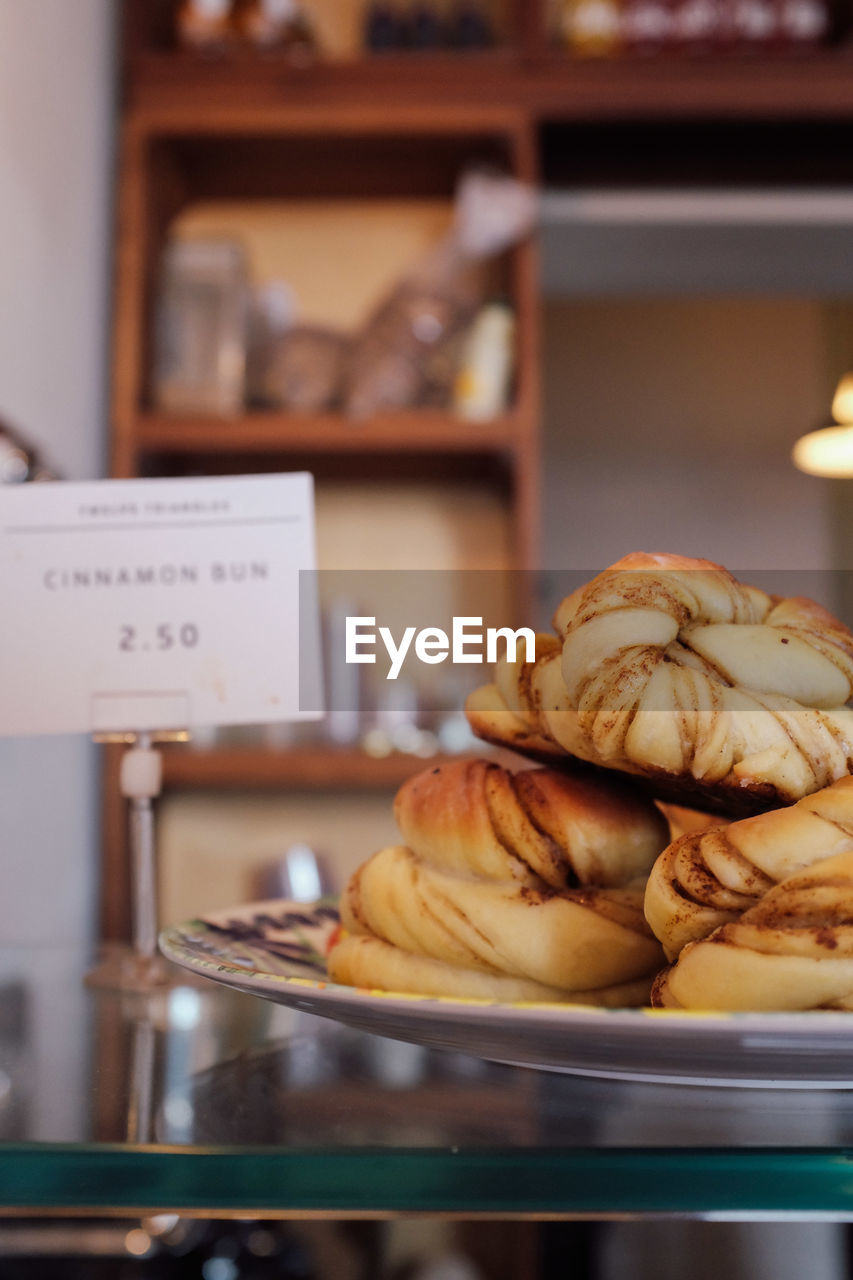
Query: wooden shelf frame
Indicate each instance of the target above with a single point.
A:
(545, 85)
(168, 160)
(284, 433)
(183, 116)
(182, 145)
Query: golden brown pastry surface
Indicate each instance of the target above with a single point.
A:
(533, 826)
(516, 886)
(570, 941)
(792, 950)
(359, 960)
(709, 878)
(526, 708)
(680, 672)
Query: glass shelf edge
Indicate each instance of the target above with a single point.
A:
(512, 1181)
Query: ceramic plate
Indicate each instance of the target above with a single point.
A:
(277, 950)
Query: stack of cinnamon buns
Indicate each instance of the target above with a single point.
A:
(666, 683)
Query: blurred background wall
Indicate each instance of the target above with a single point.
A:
(56, 78)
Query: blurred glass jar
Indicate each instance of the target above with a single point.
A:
(205, 26)
(201, 328)
(279, 26)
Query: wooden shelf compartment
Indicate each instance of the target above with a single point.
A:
(247, 768)
(176, 80)
(150, 26)
(172, 90)
(811, 84)
(413, 431)
(422, 158)
(334, 134)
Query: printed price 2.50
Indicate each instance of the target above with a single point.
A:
(165, 636)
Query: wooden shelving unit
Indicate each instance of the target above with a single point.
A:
(255, 128)
(412, 432)
(544, 86)
(249, 129)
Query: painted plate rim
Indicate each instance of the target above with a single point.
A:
(758, 1043)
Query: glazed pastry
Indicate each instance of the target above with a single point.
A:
(686, 822)
(712, 690)
(792, 950)
(524, 886)
(535, 943)
(509, 711)
(532, 827)
(361, 960)
(707, 878)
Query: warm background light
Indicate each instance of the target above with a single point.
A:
(842, 401)
(829, 450)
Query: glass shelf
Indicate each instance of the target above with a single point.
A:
(201, 1099)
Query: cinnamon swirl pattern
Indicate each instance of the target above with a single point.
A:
(445, 934)
(526, 707)
(534, 827)
(709, 878)
(681, 673)
(509, 887)
(793, 950)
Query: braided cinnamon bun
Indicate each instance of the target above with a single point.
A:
(686, 676)
(708, 878)
(792, 950)
(530, 827)
(526, 707)
(490, 938)
(524, 886)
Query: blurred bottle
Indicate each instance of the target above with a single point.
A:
(593, 28)
(755, 24)
(394, 360)
(205, 25)
(804, 23)
(279, 26)
(648, 26)
(425, 28)
(482, 384)
(469, 26)
(385, 28)
(700, 27)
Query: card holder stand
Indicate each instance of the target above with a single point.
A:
(139, 965)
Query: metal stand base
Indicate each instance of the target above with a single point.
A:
(139, 966)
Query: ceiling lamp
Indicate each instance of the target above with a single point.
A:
(829, 450)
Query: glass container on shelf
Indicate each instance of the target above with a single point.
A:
(592, 28)
(201, 328)
(280, 26)
(647, 25)
(205, 26)
(804, 23)
(404, 357)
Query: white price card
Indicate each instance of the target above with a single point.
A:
(156, 604)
